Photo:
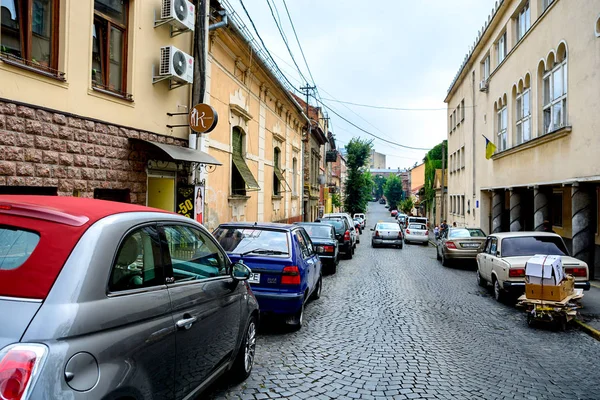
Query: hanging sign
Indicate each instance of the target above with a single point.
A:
(203, 118)
(199, 203)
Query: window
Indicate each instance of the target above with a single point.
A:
(555, 97)
(462, 164)
(109, 48)
(485, 68)
(523, 21)
(523, 116)
(241, 176)
(29, 33)
(309, 245)
(194, 256)
(462, 206)
(138, 262)
(546, 3)
(458, 115)
(462, 108)
(493, 246)
(501, 48)
(450, 123)
(16, 245)
(531, 245)
(295, 177)
(277, 175)
(502, 124)
(455, 122)
(557, 209)
(302, 243)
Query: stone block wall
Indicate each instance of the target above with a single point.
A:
(42, 148)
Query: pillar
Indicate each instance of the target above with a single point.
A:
(515, 211)
(497, 207)
(582, 218)
(541, 207)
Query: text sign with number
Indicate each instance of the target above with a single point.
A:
(185, 201)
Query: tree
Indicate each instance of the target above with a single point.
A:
(379, 182)
(433, 161)
(336, 201)
(393, 191)
(406, 205)
(359, 184)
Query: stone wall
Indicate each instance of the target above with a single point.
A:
(42, 148)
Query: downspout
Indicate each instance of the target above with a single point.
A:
(224, 22)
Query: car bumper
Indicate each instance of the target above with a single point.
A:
(585, 285)
(415, 238)
(460, 254)
(327, 258)
(278, 303)
(519, 287)
(391, 242)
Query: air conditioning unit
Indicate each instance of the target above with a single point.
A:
(180, 13)
(176, 64)
(483, 85)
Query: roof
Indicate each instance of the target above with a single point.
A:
(502, 235)
(268, 225)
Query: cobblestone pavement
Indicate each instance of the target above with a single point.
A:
(395, 324)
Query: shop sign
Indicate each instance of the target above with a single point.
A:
(185, 201)
(203, 118)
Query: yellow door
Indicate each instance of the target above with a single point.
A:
(161, 193)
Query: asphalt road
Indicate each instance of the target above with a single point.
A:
(395, 324)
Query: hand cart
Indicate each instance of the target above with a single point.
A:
(558, 313)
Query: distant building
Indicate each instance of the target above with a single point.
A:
(377, 160)
(385, 172)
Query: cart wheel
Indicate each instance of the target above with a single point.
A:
(530, 320)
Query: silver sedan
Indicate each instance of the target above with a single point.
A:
(416, 233)
(387, 234)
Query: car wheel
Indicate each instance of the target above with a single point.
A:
(242, 366)
(333, 267)
(445, 261)
(296, 320)
(401, 246)
(498, 291)
(437, 253)
(480, 281)
(317, 292)
(373, 245)
(349, 253)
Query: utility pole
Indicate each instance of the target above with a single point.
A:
(443, 176)
(306, 142)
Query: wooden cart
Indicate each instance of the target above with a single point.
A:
(558, 313)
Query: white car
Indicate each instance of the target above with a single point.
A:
(416, 233)
(502, 262)
(364, 218)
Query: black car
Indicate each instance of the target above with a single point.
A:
(325, 242)
(342, 234)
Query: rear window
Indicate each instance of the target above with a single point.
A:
(337, 224)
(318, 231)
(16, 245)
(466, 233)
(388, 227)
(417, 226)
(253, 241)
(532, 245)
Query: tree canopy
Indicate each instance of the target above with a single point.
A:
(433, 161)
(393, 191)
(359, 184)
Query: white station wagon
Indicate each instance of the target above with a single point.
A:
(502, 262)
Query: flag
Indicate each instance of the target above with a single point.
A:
(490, 148)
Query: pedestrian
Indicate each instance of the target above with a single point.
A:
(454, 224)
(444, 227)
(547, 226)
(436, 231)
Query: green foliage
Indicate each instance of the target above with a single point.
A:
(359, 184)
(379, 182)
(336, 201)
(406, 205)
(433, 161)
(393, 191)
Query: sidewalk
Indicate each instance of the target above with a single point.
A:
(590, 313)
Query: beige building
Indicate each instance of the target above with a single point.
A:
(377, 160)
(529, 85)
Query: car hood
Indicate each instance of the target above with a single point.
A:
(16, 315)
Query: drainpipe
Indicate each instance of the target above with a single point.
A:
(224, 22)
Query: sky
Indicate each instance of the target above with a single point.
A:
(397, 53)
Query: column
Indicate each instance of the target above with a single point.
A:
(582, 202)
(497, 206)
(515, 211)
(541, 208)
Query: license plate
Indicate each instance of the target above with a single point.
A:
(470, 245)
(254, 277)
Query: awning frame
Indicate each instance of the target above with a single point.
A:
(178, 153)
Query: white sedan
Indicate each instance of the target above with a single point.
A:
(416, 233)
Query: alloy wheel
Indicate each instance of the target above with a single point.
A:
(250, 346)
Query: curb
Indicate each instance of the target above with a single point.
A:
(597, 286)
(588, 329)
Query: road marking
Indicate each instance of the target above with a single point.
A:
(588, 329)
(595, 285)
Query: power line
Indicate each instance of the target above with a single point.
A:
(390, 108)
(298, 41)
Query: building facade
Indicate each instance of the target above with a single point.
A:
(528, 85)
(83, 111)
(417, 185)
(377, 160)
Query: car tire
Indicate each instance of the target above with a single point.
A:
(349, 253)
(317, 292)
(480, 280)
(296, 320)
(400, 246)
(242, 366)
(437, 253)
(499, 294)
(445, 261)
(333, 267)
(373, 245)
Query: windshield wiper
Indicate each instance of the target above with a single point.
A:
(263, 251)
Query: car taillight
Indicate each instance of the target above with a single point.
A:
(408, 231)
(347, 235)
(19, 366)
(328, 249)
(450, 245)
(290, 275)
(399, 234)
(516, 272)
(576, 272)
(376, 233)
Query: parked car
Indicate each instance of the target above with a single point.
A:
(342, 234)
(416, 233)
(386, 234)
(358, 225)
(353, 230)
(363, 217)
(107, 300)
(286, 270)
(401, 218)
(459, 244)
(382, 201)
(393, 213)
(502, 262)
(418, 220)
(325, 242)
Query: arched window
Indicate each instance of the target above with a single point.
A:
(555, 91)
(276, 172)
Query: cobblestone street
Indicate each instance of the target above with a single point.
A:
(395, 324)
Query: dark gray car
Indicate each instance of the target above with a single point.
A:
(104, 300)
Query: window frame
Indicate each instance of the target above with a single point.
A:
(524, 13)
(546, 4)
(276, 163)
(562, 99)
(501, 45)
(295, 176)
(521, 118)
(105, 58)
(485, 65)
(502, 131)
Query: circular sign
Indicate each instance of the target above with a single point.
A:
(203, 118)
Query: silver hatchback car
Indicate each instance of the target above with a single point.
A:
(105, 300)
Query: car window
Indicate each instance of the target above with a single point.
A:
(388, 227)
(488, 245)
(137, 264)
(194, 256)
(338, 225)
(16, 245)
(308, 242)
(494, 246)
(302, 244)
(240, 240)
(318, 231)
(342, 219)
(532, 245)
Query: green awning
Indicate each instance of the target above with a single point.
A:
(282, 180)
(245, 172)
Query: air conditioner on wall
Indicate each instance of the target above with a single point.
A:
(483, 85)
(180, 13)
(176, 64)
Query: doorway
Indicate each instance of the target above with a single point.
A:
(161, 190)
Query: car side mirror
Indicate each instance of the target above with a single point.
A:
(240, 271)
(372, 229)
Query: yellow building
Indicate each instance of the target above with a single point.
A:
(259, 135)
(528, 84)
(417, 182)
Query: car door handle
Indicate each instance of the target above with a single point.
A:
(186, 323)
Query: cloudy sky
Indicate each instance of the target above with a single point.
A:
(393, 53)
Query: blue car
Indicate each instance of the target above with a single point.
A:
(286, 269)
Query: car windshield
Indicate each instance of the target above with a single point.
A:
(465, 233)
(388, 227)
(417, 226)
(318, 231)
(249, 240)
(532, 245)
(337, 224)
